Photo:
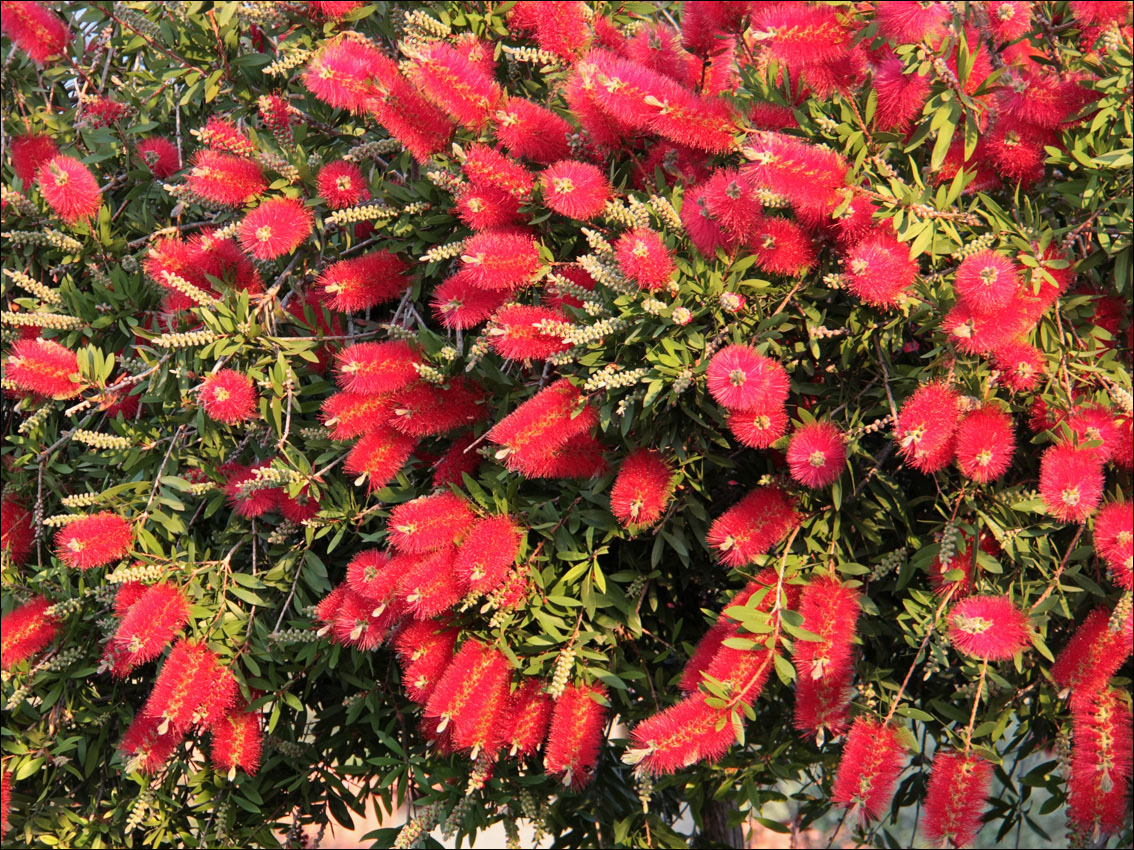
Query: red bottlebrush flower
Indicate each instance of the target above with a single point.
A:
(528, 717)
(425, 650)
(237, 741)
(500, 260)
(228, 396)
(1009, 20)
(642, 489)
(879, 269)
(988, 627)
(560, 28)
(1096, 423)
(986, 441)
(35, 29)
(1092, 656)
(456, 461)
(911, 22)
(275, 113)
(254, 503)
(484, 207)
(703, 23)
(758, 427)
(685, 733)
(429, 523)
(17, 536)
(128, 593)
(221, 134)
(363, 282)
(360, 622)
(816, 454)
(485, 166)
(342, 73)
(189, 683)
(44, 367)
(460, 87)
(545, 421)
(531, 131)
(93, 541)
(1101, 14)
(397, 105)
(69, 188)
(1101, 764)
(707, 647)
(30, 152)
(872, 759)
(368, 577)
(808, 176)
(982, 333)
(1016, 150)
(327, 609)
(150, 745)
(474, 683)
(576, 733)
(148, 627)
(728, 199)
(658, 47)
(1021, 365)
(752, 526)
(581, 456)
(987, 281)
(459, 303)
(516, 335)
(781, 247)
(5, 799)
(798, 33)
(705, 232)
(487, 552)
(377, 457)
(830, 609)
(299, 508)
(741, 379)
(276, 227)
(24, 631)
(100, 111)
(1071, 482)
(954, 803)
(333, 9)
(225, 179)
(425, 410)
(901, 96)
(575, 189)
(160, 156)
(1114, 542)
(374, 368)
(351, 415)
(927, 425)
(428, 585)
(824, 704)
(341, 184)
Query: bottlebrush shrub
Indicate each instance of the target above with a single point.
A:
(580, 412)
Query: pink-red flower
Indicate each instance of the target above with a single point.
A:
(486, 166)
(377, 457)
(237, 741)
(1021, 365)
(1071, 482)
(17, 536)
(986, 440)
(987, 281)
(830, 609)
(192, 687)
(160, 156)
(687, 732)
(149, 624)
(527, 719)
(988, 627)
(781, 247)
(532, 131)
(542, 423)
(429, 523)
(954, 803)
(642, 489)
(644, 259)
(69, 188)
(758, 427)
(1092, 656)
(927, 427)
(224, 178)
(30, 152)
(276, 227)
(576, 733)
(752, 526)
(872, 758)
(516, 333)
(488, 550)
(228, 396)
(425, 410)
(459, 304)
(1101, 767)
(341, 184)
(424, 650)
(500, 260)
(472, 695)
(150, 742)
(740, 378)
(35, 29)
(342, 73)
(816, 454)
(879, 269)
(25, 630)
(363, 282)
(463, 89)
(575, 189)
(44, 367)
(374, 368)
(901, 96)
(93, 541)
(1114, 541)
(485, 207)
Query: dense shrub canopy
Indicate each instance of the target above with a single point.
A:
(606, 414)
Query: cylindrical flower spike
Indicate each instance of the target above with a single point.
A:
(868, 771)
(575, 736)
(93, 541)
(958, 788)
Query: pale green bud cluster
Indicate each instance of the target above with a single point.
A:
(440, 253)
(141, 572)
(418, 24)
(683, 381)
(612, 376)
(666, 212)
(290, 636)
(35, 421)
(606, 273)
(98, 440)
(429, 373)
(55, 321)
(185, 340)
(44, 239)
(888, 563)
(64, 608)
(137, 21)
(372, 150)
(596, 241)
(653, 306)
(561, 673)
(44, 293)
(58, 520)
(287, 63)
(531, 55)
(975, 245)
(16, 201)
